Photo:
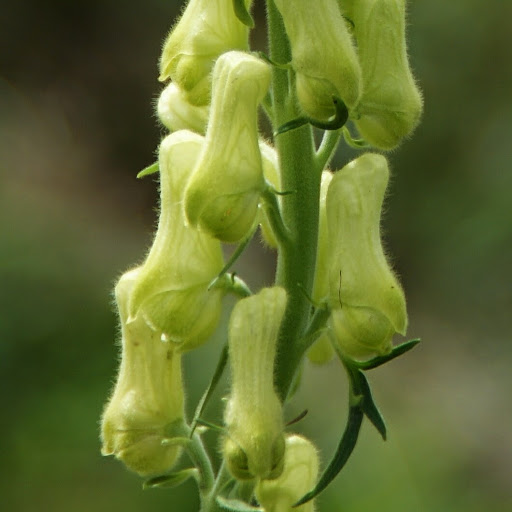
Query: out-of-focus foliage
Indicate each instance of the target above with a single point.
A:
(77, 82)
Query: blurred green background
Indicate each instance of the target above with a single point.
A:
(77, 88)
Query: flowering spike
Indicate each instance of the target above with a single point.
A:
(391, 103)
(206, 29)
(367, 300)
(223, 193)
(171, 289)
(254, 446)
(146, 406)
(300, 473)
(323, 55)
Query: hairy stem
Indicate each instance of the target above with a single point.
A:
(296, 261)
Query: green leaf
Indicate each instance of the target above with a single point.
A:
(345, 448)
(242, 13)
(335, 123)
(368, 405)
(170, 480)
(219, 370)
(292, 125)
(380, 360)
(150, 169)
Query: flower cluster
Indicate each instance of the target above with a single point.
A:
(354, 51)
(219, 180)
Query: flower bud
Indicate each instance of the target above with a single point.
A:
(299, 475)
(171, 291)
(362, 283)
(146, 406)
(321, 351)
(254, 446)
(271, 173)
(323, 55)
(391, 103)
(176, 113)
(321, 283)
(206, 29)
(223, 193)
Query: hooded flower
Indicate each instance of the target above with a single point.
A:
(207, 29)
(323, 55)
(146, 406)
(254, 446)
(368, 304)
(171, 291)
(176, 113)
(299, 475)
(391, 103)
(223, 193)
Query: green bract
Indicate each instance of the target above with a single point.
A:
(206, 29)
(323, 55)
(176, 113)
(147, 403)
(391, 103)
(223, 193)
(299, 475)
(254, 446)
(171, 289)
(367, 300)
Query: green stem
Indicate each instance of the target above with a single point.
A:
(201, 461)
(296, 261)
(210, 503)
(327, 148)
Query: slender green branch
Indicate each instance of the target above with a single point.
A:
(327, 148)
(197, 453)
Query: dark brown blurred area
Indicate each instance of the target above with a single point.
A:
(78, 81)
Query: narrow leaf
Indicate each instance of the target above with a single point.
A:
(217, 282)
(211, 388)
(292, 125)
(171, 480)
(242, 13)
(236, 505)
(345, 448)
(380, 360)
(339, 120)
(150, 169)
(368, 405)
